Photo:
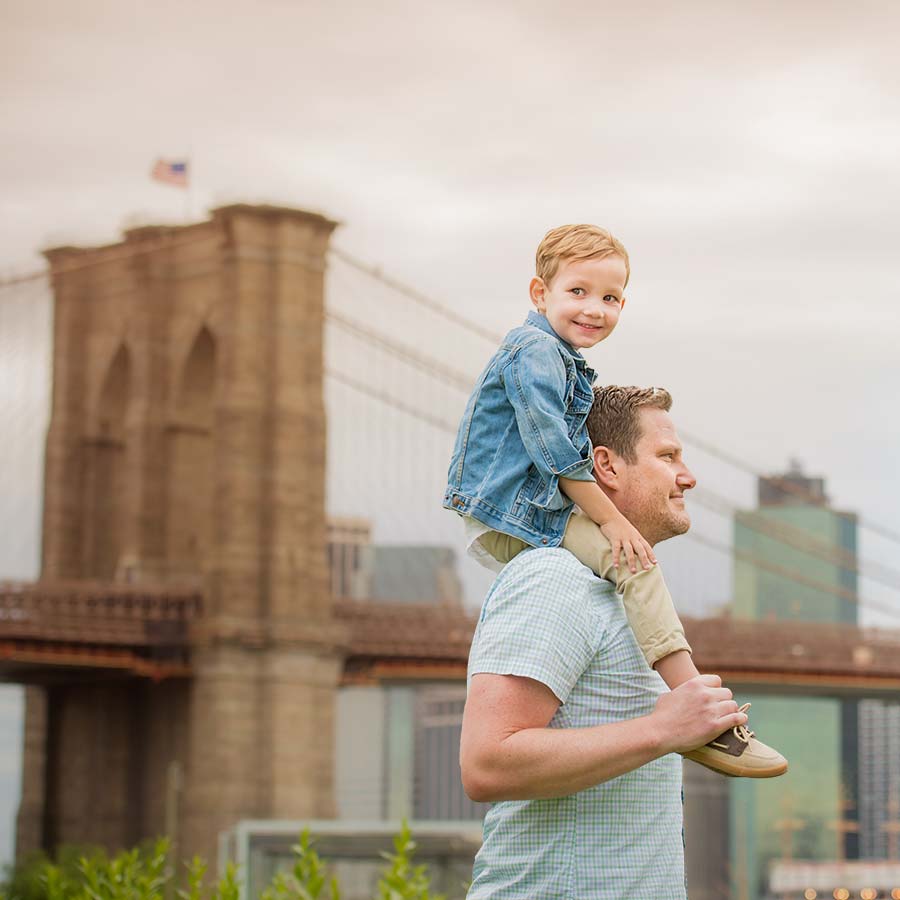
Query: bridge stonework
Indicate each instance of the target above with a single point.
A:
(186, 451)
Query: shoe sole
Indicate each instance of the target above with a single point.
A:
(739, 771)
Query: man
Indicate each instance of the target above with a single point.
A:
(566, 728)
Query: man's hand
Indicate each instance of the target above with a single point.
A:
(625, 538)
(695, 712)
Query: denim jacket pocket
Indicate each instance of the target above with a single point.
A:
(524, 506)
(541, 494)
(577, 410)
(556, 500)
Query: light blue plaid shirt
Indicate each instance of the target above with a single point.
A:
(549, 618)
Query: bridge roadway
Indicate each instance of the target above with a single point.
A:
(60, 630)
(51, 630)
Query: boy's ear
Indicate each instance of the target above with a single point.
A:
(536, 290)
(622, 303)
(605, 467)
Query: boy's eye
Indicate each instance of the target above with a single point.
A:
(611, 298)
(578, 292)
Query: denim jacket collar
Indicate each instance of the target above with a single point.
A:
(540, 321)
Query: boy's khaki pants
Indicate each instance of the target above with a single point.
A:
(647, 601)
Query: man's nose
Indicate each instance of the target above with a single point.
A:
(685, 479)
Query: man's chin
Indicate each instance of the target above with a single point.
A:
(679, 524)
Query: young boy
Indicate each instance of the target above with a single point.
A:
(523, 460)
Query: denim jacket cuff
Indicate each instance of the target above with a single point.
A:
(553, 497)
(582, 470)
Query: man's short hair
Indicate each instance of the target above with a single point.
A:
(576, 242)
(614, 419)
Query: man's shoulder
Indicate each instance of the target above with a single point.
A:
(550, 568)
(539, 562)
(542, 619)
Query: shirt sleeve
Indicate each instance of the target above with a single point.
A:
(535, 384)
(538, 622)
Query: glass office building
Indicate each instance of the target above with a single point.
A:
(795, 559)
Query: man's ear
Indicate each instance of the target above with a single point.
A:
(605, 463)
(536, 291)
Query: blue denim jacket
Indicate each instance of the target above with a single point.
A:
(524, 427)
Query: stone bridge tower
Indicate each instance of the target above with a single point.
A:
(187, 448)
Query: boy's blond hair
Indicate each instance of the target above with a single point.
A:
(576, 242)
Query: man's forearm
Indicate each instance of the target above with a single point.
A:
(540, 763)
(507, 752)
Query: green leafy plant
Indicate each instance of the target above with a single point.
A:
(26, 881)
(306, 879)
(196, 870)
(147, 874)
(402, 880)
(133, 874)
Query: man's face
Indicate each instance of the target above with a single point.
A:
(650, 492)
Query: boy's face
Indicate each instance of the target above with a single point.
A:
(583, 301)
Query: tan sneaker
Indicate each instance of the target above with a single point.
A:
(737, 753)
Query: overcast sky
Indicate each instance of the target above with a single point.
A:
(747, 155)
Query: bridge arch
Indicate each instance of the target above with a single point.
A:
(195, 386)
(190, 474)
(106, 462)
(115, 394)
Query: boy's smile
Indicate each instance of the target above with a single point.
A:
(583, 301)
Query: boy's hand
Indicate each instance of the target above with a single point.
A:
(621, 534)
(625, 538)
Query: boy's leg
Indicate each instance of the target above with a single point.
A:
(502, 547)
(660, 635)
(676, 668)
(648, 603)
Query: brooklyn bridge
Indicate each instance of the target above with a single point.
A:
(200, 603)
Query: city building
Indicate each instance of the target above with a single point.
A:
(879, 780)
(362, 570)
(795, 560)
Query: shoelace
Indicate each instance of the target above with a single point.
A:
(742, 732)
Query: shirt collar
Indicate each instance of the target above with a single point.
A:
(538, 320)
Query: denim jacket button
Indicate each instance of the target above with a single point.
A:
(543, 540)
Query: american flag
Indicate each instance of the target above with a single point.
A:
(170, 171)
